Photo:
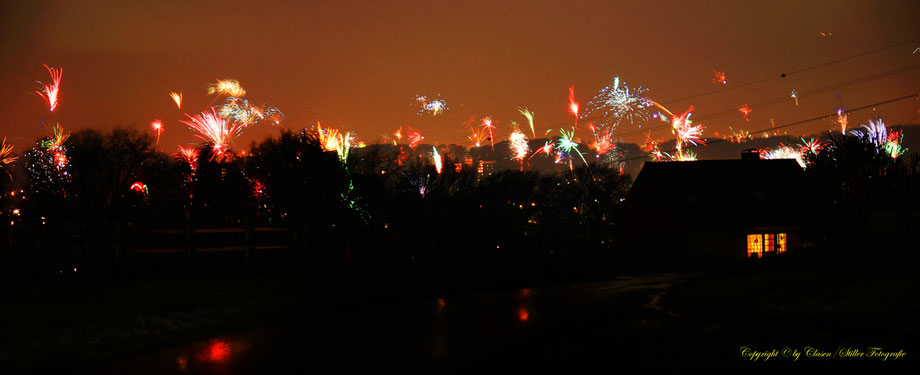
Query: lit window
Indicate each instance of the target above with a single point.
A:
(755, 245)
(780, 243)
(769, 242)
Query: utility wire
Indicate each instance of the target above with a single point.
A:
(718, 140)
(844, 84)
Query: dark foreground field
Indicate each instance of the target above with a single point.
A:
(223, 323)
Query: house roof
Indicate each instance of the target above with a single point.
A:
(748, 193)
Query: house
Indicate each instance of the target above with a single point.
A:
(705, 214)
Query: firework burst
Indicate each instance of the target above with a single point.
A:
(189, 155)
(545, 150)
(745, 110)
(334, 140)
(812, 146)
(157, 127)
(784, 152)
(567, 143)
(477, 135)
(740, 136)
(229, 87)
(686, 132)
(719, 77)
(6, 156)
(893, 145)
(6, 153)
(216, 130)
(49, 92)
(240, 111)
(517, 141)
(432, 106)
(875, 131)
(603, 142)
(55, 145)
(617, 102)
(414, 136)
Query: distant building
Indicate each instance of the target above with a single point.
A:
(486, 167)
(704, 214)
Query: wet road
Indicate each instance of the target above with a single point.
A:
(567, 327)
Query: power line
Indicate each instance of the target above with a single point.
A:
(787, 98)
(772, 78)
(783, 75)
(718, 140)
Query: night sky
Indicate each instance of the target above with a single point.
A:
(358, 65)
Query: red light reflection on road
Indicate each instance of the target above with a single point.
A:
(523, 314)
(218, 351)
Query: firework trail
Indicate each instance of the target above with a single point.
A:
(842, 120)
(437, 159)
(176, 97)
(719, 77)
(529, 115)
(140, 187)
(745, 110)
(487, 125)
(157, 127)
(414, 136)
(216, 130)
(50, 91)
(432, 106)
(795, 96)
(616, 102)
(397, 136)
(545, 150)
(573, 105)
(229, 87)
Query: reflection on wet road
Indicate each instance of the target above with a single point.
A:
(509, 329)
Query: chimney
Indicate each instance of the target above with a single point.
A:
(750, 154)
